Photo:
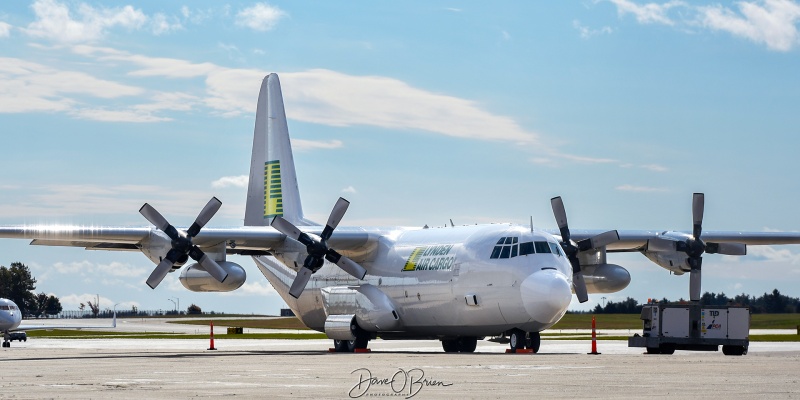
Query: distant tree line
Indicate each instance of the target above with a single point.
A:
(18, 285)
(768, 303)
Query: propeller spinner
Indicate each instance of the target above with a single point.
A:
(182, 246)
(318, 251)
(573, 248)
(694, 246)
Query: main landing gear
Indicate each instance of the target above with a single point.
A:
(463, 344)
(349, 346)
(519, 339)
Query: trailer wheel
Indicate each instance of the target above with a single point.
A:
(653, 350)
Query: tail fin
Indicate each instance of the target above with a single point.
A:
(272, 189)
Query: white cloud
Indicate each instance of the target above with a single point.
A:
(333, 98)
(151, 66)
(5, 29)
(302, 144)
(28, 87)
(73, 301)
(650, 13)
(63, 201)
(231, 181)
(55, 22)
(655, 167)
(587, 32)
(640, 189)
(161, 24)
(260, 17)
(256, 288)
(87, 268)
(771, 253)
(586, 160)
(349, 189)
(771, 22)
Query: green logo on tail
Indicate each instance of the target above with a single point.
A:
(273, 197)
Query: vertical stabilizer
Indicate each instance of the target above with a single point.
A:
(272, 189)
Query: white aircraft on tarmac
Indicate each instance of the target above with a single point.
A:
(457, 284)
(11, 320)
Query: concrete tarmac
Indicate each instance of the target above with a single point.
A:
(176, 369)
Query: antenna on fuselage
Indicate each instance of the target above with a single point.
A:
(451, 223)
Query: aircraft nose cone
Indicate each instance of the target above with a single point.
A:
(546, 294)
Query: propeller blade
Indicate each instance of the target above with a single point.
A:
(561, 217)
(348, 265)
(205, 215)
(694, 284)
(659, 244)
(212, 267)
(160, 272)
(579, 285)
(603, 239)
(300, 282)
(155, 218)
(336, 216)
(285, 227)
(730, 249)
(698, 206)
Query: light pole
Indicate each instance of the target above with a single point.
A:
(604, 301)
(173, 304)
(178, 305)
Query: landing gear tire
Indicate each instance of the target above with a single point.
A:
(467, 344)
(534, 341)
(516, 339)
(340, 346)
(6, 344)
(450, 345)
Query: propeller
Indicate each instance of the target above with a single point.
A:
(694, 246)
(182, 246)
(573, 248)
(318, 251)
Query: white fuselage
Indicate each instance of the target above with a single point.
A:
(10, 315)
(453, 281)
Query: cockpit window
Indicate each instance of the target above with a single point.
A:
(554, 247)
(506, 247)
(542, 247)
(5, 307)
(509, 247)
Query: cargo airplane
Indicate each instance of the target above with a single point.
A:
(457, 284)
(11, 320)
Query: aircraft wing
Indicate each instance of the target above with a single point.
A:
(636, 240)
(244, 240)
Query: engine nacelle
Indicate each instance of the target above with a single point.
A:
(196, 279)
(672, 260)
(605, 278)
(156, 246)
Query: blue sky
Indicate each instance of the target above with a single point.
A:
(418, 112)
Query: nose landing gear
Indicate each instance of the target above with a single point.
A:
(520, 340)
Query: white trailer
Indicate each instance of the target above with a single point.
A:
(674, 326)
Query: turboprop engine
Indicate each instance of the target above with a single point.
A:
(606, 278)
(197, 279)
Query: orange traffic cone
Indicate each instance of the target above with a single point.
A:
(594, 338)
(212, 337)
